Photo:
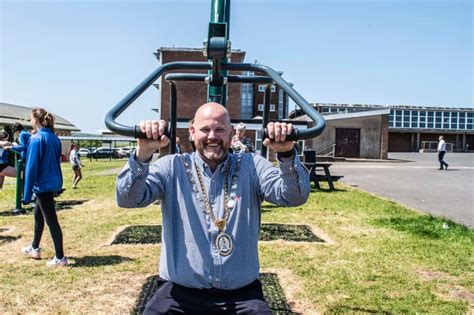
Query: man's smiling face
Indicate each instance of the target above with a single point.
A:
(212, 132)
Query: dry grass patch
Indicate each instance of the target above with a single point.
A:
(292, 287)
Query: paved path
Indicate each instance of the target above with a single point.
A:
(418, 183)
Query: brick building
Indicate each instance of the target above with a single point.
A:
(245, 101)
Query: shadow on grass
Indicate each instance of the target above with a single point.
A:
(60, 205)
(428, 227)
(97, 261)
(342, 309)
(8, 239)
(68, 204)
(327, 190)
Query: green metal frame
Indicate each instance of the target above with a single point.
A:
(219, 26)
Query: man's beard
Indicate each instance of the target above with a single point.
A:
(214, 153)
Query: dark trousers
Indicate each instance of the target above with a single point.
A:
(440, 159)
(45, 211)
(171, 298)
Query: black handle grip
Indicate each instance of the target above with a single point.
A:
(138, 134)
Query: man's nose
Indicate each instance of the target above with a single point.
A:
(212, 134)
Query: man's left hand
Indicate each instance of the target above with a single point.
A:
(276, 139)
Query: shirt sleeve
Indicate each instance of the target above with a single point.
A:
(140, 184)
(23, 139)
(31, 168)
(288, 185)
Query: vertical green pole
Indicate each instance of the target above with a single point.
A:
(19, 184)
(220, 14)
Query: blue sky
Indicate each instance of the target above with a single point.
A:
(79, 58)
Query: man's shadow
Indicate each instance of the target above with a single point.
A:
(97, 261)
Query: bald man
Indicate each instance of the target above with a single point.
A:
(211, 209)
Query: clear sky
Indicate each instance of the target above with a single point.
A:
(79, 58)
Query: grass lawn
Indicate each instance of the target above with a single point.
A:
(381, 258)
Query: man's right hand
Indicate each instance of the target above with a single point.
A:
(154, 130)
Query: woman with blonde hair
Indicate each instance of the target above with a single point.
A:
(43, 178)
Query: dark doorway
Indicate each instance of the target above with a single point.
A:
(347, 142)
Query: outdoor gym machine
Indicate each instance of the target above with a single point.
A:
(217, 49)
(20, 175)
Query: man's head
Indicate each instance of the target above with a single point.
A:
(3, 135)
(17, 127)
(441, 138)
(240, 129)
(212, 132)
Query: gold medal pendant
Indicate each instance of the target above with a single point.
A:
(220, 224)
(224, 244)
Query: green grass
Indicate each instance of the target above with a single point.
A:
(384, 258)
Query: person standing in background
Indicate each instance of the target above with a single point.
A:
(75, 161)
(5, 168)
(241, 143)
(441, 153)
(23, 138)
(43, 178)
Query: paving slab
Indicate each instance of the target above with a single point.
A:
(413, 179)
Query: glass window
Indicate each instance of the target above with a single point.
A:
(430, 124)
(470, 115)
(430, 114)
(260, 107)
(422, 125)
(261, 88)
(272, 107)
(438, 125)
(406, 124)
(398, 124)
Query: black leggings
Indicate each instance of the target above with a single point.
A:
(45, 210)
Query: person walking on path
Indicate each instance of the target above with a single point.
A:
(75, 161)
(441, 153)
(211, 212)
(43, 178)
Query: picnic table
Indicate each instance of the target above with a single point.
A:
(318, 177)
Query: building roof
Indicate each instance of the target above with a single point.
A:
(406, 107)
(347, 115)
(10, 114)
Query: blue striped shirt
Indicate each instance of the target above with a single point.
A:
(188, 255)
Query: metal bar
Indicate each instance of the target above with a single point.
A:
(173, 116)
(266, 116)
(319, 121)
(134, 131)
(196, 77)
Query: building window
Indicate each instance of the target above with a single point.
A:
(246, 111)
(280, 104)
(262, 106)
(261, 88)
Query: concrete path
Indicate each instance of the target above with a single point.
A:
(413, 179)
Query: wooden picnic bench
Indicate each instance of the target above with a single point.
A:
(318, 177)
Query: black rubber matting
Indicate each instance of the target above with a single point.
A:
(272, 291)
(151, 234)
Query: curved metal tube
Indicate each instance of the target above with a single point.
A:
(134, 131)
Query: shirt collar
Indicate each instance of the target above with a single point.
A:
(203, 165)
